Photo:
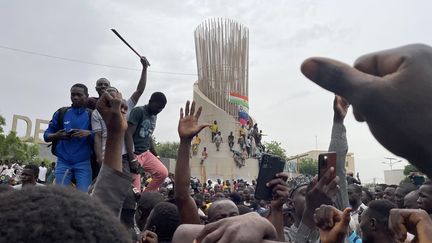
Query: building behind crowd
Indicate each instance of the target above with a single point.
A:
(393, 177)
(292, 164)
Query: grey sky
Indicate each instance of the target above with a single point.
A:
(287, 106)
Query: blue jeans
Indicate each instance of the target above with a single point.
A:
(81, 171)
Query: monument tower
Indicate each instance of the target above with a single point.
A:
(222, 53)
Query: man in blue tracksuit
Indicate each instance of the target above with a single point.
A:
(70, 132)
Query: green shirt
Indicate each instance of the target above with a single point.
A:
(145, 125)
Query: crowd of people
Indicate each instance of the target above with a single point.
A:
(176, 207)
(10, 172)
(249, 143)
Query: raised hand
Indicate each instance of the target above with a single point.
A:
(340, 107)
(109, 106)
(144, 62)
(333, 224)
(188, 124)
(280, 189)
(322, 191)
(390, 90)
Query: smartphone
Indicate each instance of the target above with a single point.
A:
(270, 165)
(325, 161)
(70, 132)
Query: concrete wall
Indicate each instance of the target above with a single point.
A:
(393, 176)
(219, 164)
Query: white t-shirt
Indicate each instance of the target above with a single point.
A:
(42, 173)
(8, 172)
(98, 124)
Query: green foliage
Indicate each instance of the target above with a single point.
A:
(38, 161)
(308, 166)
(167, 149)
(275, 148)
(410, 168)
(12, 148)
(2, 123)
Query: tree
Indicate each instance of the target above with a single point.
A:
(275, 148)
(167, 149)
(410, 168)
(308, 166)
(2, 123)
(12, 148)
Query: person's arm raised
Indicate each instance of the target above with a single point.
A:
(112, 185)
(280, 197)
(142, 82)
(385, 87)
(318, 192)
(187, 128)
(339, 144)
(109, 108)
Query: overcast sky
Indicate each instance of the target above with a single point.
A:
(287, 106)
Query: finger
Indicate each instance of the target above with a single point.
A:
(106, 96)
(281, 192)
(192, 109)
(346, 216)
(116, 102)
(213, 236)
(320, 216)
(198, 114)
(274, 182)
(227, 237)
(202, 126)
(209, 228)
(181, 113)
(187, 108)
(283, 175)
(280, 189)
(327, 178)
(104, 101)
(332, 188)
(312, 183)
(336, 77)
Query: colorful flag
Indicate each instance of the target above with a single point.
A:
(238, 99)
(243, 115)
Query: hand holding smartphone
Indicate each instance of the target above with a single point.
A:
(70, 132)
(270, 165)
(325, 162)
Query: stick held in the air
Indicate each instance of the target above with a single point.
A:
(124, 41)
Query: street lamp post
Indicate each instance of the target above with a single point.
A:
(391, 162)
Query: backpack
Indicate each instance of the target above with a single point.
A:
(60, 117)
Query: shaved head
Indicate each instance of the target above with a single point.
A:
(222, 209)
